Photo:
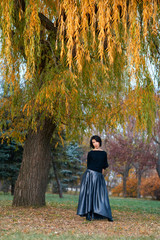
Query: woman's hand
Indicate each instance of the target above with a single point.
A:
(103, 171)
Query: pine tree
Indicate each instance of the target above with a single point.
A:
(67, 167)
(10, 161)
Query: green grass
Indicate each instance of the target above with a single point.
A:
(5, 199)
(68, 236)
(68, 201)
(121, 205)
(136, 205)
(71, 201)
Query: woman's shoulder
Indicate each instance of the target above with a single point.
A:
(100, 150)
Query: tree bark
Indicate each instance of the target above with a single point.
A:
(125, 175)
(158, 162)
(124, 186)
(57, 180)
(32, 181)
(139, 184)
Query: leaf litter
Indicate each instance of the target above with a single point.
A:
(57, 221)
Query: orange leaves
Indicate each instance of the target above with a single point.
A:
(101, 43)
(31, 37)
(84, 27)
(109, 34)
(79, 49)
(68, 5)
(131, 188)
(5, 21)
(101, 26)
(112, 18)
(151, 187)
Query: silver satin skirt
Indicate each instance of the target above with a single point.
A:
(93, 197)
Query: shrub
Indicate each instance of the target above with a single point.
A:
(131, 188)
(118, 190)
(151, 187)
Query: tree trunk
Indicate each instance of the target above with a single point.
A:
(124, 186)
(158, 162)
(125, 175)
(57, 180)
(139, 184)
(32, 181)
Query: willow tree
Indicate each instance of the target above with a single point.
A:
(71, 64)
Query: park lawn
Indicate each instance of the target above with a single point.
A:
(133, 219)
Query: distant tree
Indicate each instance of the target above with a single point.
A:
(74, 168)
(131, 149)
(144, 158)
(66, 164)
(156, 139)
(58, 156)
(10, 161)
(131, 188)
(120, 156)
(150, 187)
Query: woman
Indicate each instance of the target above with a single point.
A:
(93, 198)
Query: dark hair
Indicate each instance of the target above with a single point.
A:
(97, 138)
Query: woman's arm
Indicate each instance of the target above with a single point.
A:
(88, 159)
(105, 165)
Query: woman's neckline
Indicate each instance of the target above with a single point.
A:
(97, 150)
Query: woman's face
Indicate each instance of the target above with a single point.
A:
(95, 143)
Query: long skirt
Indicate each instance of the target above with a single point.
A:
(93, 197)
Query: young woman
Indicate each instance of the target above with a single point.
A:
(93, 198)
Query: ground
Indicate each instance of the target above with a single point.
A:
(58, 220)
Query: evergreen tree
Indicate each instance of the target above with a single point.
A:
(67, 166)
(10, 161)
(73, 168)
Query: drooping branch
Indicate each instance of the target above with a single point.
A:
(44, 20)
(47, 23)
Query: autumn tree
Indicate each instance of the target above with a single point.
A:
(131, 149)
(131, 189)
(156, 139)
(144, 158)
(79, 60)
(120, 156)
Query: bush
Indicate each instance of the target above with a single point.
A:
(118, 190)
(151, 187)
(131, 188)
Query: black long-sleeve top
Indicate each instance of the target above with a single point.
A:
(97, 160)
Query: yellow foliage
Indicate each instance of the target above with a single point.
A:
(94, 87)
(32, 36)
(110, 16)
